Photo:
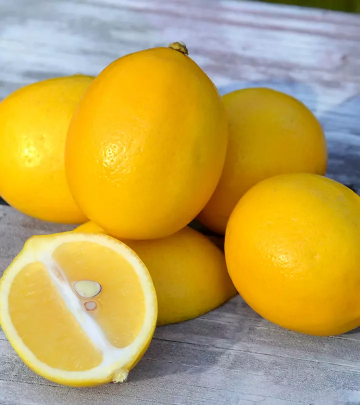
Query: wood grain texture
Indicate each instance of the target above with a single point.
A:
(230, 355)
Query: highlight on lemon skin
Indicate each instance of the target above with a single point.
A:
(79, 309)
(33, 125)
(188, 271)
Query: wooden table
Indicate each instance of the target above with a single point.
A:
(231, 355)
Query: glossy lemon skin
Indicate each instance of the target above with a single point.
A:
(33, 125)
(293, 252)
(270, 133)
(146, 147)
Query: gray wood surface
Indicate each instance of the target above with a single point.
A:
(231, 355)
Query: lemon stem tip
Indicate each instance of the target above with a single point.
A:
(180, 47)
(120, 376)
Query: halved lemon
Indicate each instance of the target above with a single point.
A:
(79, 309)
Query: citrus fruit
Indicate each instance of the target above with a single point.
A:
(270, 133)
(292, 248)
(188, 272)
(33, 124)
(79, 309)
(146, 146)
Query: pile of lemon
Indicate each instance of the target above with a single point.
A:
(139, 152)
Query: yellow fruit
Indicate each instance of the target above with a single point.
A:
(90, 227)
(33, 124)
(270, 133)
(79, 309)
(293, 252)
(147, 145)
(188, 271)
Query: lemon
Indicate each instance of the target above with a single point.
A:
(270, 133)
(188, 272)
(79, 309)
(146, 146)
(293, 252)
(33, 124)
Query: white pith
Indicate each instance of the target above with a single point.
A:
(41, 249)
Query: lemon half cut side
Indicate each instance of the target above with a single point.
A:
(79, 309)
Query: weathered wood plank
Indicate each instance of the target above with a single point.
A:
(218, 35)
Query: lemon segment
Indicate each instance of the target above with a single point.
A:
(122, 301)
(67, 348)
